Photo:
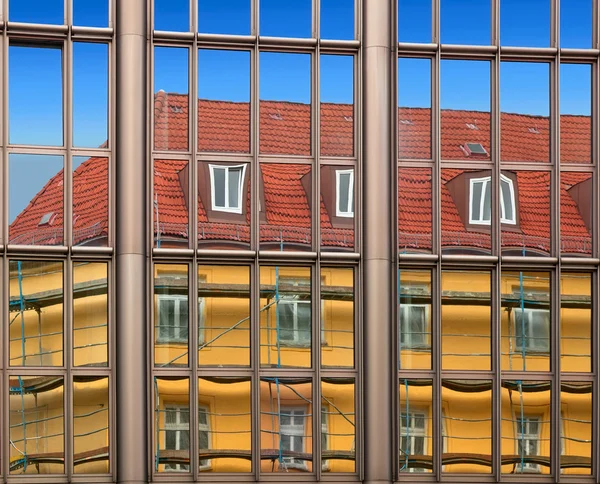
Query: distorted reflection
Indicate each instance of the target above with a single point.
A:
(525, 23)
(224, 315)
(171, 315)
(171, 424)
(90, 201)
(90, 313)
(576, 24)
(36, 313)
(525, 321)
(285, 202)
(576, 208)
(467, 426)
(173, 15)
(525, 427)
(286, 413)
(224, 424)
(338, 417)
(337, 323)
(285, 317)
(416, 426)
(90, 13)
(90, 425)
(275, 18)
(575, 322)
(575, 113)
(37, 426)
(224, 17)
(454, 31)
(576, 412)
(337, 207)
(36, 11)
(466, 320)
(414, 319)
(170, 203)
(337, 19)
(415, 205)
(414, 21)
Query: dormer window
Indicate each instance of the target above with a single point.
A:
(344, 189)
(480, 201)
(47, 219)
(227, 184)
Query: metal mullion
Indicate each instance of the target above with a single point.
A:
(4, 138)
(315, 144)
(37, 149)
(68, 362)
(596, 372)
(496, 371)
(555, 352)
(472, 165)
(255, 367)
(286, 159)
(92, 152)
(224, 157)
(193, 362)
(316, 365)
(193, 136)
(4, 398)
(68, 139)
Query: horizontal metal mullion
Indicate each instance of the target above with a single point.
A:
(457, 164)
(206, 371)
(37, 150)
(523, 262)
(46, 29)
(205, 156)
(286, 159)
(427, 49)
(247, 40)
(424, 258)
(470, 259)
(275, 256)
(37, 250)
(159, 35)
(246, 255)
(286, 43)
(532, 52)
(578, 261)
(172, 253)
(579, 54)
(488, 51)
(78, 32)
(84, 251)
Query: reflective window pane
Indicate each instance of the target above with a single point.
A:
(465, 22)
(90, 201)
(171, 315)
(37, 425)
(35, 96)
(466, 320)
(467, 426)
(224, 316)
(414, 319)
(285, 103)
(576, 23)
(575, 113)
(525, 427)
(338, 428)
(337, 19)
(91, 436)
(337, 105)
(36, 11)
(337, 207)
(36, 313)
(285, 207)
(415, 205)
(90, 314)
(414, 108)
(525, 321)
(575, 322)
(414, 21)
(576, 219)
(170, 203)
(466, 110)
(90, 95)
(172, 15)
(415, 427)
(285, 317)
(224, 17)
(171, 98)
(286, 411)
(224, 424)
(337, 322)
(525, 23)
(90, 13)
(276, 18)
(576, 427)
(35, 199)
(224, 104)
(525, 111)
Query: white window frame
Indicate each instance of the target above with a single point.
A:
(324, 435)
(349, 212)
(294, 431)
(403, 313)
(177, 338)
(413, 434)
(178, 427)
(204, 464)
(527, 467)
(533, 343)
(511, 186)
(295, 340)
(227, 168)
(486, 181)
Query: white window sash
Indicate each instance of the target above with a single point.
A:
(227, 208)
(339, 210)
(176, 325)
(511, 188)
(486, 185)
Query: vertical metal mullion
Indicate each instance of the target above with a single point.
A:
(316, 360)
(68, 358)
(555, 413)
(193, 361)
(595, 370)
(4, 397)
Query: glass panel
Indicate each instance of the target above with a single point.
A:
(224, 315)
(467, 426)
(171, 315)
(224, 104)
(36, 313)
(90, 13)
(286, 425)
(225, 433)
(90, 313)
(337, 322)
(575, 322)
(36, 11)
(576, 23)
(525, 23)
(285, 103)
(414, 210)
(90, 201)
(576, 208)
(276, 18)
(530, 234)
(222, 225)
(35, 114)
(414, 319)
(337, 207)
(337, 105)
(414, 21)
(576, 412)
(285, 304)
(525, 111)
(416, 426)
(37, 425)
(525, 321)
(337, 19)
(90, 95)
(575, 113)
(172, 424)
(414, 107)
(91, 436)
(525, 427)
(172, 15)
(170, 203)
(466, 110)
(465, 22)
(171, 99)
(35, 199)
(338, 429)
(285, 207)
(507, 203)
(224, 17)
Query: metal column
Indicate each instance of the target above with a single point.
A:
(131, 364)
(378, 237)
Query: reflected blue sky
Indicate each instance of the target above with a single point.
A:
(455, 93)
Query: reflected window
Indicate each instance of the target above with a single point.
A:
(204, 435)
(528, 439)
(291, 428)
(177, 433)
(532, 330)
(480, 204)
(414, 326)
(227, 183)
(172, 319)
(413, 434)
(415, 426)
(294, 315)
(344, 181)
